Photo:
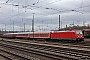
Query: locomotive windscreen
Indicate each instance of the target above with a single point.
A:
(79, 32)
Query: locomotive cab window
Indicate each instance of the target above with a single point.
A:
(78, 31)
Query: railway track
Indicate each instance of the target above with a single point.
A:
(9, 56)
(50, 51)
(2, 58)
(85, 44)
(34, 51)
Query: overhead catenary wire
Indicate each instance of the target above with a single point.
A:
(32, 9)
(56, 1)
(50, 3)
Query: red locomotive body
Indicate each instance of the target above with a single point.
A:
(63, 35)
(67, 35)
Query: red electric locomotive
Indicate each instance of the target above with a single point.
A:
(74, 35)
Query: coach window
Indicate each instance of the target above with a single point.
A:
(44, 34)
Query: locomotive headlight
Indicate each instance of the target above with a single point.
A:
(78, 36)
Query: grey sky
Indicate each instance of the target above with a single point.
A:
(45, 19)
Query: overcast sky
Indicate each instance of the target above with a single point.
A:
(46, 14)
